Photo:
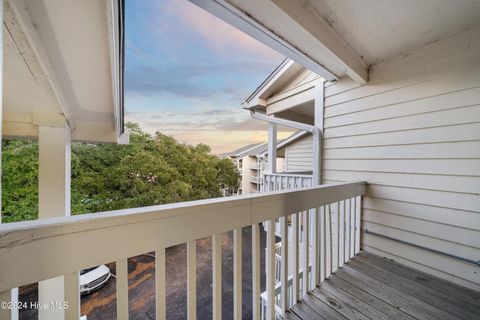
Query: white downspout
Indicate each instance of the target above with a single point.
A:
(272, 148)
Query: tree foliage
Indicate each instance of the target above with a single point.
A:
(150, 170)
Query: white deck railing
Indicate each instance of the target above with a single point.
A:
(285, 181)
(32, 251)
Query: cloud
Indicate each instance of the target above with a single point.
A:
(209, 120)
(187, 72)
(174, 48)
(199, 79)
(222, 130)
(217, 34)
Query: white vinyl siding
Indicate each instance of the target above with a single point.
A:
(413, 133)
(299, 155)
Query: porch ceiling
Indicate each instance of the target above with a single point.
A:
(62, 64)
(382, 30)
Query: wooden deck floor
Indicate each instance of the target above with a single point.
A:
(371, 287)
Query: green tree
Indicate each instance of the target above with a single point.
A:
(150, 170)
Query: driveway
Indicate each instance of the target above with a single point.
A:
(102, 303)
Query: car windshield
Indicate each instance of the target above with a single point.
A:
(87, 270)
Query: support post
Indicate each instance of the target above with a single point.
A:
(272, 148)
(54, 201)
(317, 135)
(13, 294)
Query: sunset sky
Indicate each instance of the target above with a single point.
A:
(187, 72)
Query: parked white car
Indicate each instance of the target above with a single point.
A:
(94, 278)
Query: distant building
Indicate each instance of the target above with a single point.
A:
(250, 166)
(294, 156)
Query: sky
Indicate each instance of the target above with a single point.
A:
(187, 73)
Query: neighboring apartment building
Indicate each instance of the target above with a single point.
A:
(294, 156)
(249, 167)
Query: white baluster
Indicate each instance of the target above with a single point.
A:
(5, 314)
(270, 262)
(335, 228)
(328, 243)
(347, 231)
(192, 280)
(122, 288)
(341, 233)
(358, 217)
(72, 295)
(306, 251)
(237, 274)
(315, 247)
(255, 272)
(284, 264)
(352, 227)
(217, 276)
(161, 309)
(296, 247)
(322, 243)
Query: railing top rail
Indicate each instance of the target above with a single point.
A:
(62, 245)
(289, 174)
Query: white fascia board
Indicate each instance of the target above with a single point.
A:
(256, 98)
(291, 101)
(115, 29)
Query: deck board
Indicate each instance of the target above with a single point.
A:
(465, 294)
(372, 287)
(440, 300)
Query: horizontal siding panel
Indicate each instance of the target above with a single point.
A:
(455, 133)
(459, 218)
(455, 150)
(413, 133)
(381, 95)
(450, 269)
(460, 184)
(302, 146)
(436, 103)
(466, 237)
(434, 119)
(445, 199)
(459, 167)
(299, 155)
(399, 79)
(301, 150)
(424, 240)
(397, 73)
(345, 84)
(441, 55)
(306, 158)
(295, 168)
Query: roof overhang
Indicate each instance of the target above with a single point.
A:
(63, 65)
(293, 29)
(336, 38)
(272, 84)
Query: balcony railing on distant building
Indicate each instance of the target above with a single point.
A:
(285, 181)
(256, 179)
